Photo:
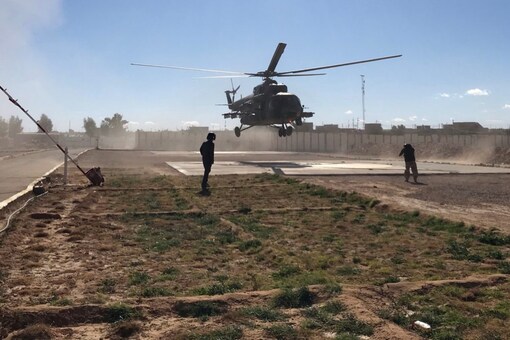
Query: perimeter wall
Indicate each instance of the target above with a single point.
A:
(261, 139)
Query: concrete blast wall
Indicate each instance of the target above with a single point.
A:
(266, 139)
(255, 139)
(344, 142)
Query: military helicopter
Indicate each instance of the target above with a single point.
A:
(270, 103)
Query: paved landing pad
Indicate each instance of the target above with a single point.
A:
(328, 167)
(219, 168)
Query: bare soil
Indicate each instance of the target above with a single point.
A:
(146, 257)
(482, 200)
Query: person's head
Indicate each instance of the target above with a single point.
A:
(211, 136)
(407, 146)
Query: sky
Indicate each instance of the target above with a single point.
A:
(70, 59)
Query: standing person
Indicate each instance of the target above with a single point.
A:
(408, 152)
(207, 152)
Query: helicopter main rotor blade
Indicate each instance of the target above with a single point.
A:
(220, 77)
(300, 75)
(190, 69)
(276, 58)
(278, 74)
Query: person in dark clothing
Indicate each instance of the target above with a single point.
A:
(207, 152)
(410, 160)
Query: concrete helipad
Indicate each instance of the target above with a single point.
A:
(329, 167)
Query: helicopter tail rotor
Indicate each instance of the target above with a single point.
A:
(231, 99)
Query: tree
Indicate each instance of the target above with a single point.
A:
(15, 126)
(46, 123)
(90, 127)
(114, 126)
(4, 127)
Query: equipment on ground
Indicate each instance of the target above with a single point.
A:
(93, 175)
(270, 103)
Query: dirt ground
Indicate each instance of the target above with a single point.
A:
(481, 200)
(63, 275)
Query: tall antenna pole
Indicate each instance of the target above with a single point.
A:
(363, 98)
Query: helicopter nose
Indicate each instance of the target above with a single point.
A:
(286, 103)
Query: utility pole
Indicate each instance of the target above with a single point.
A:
(363, 98)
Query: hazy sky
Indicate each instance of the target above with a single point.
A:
(71, 59)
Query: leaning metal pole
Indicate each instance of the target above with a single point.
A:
(15, 102)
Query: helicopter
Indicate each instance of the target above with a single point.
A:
(270, 104)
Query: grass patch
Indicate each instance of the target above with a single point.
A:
(168, 274)
(351, 325)
(338, 215)
(504, 267)
(388, 279)
(376, 228)
(119, 311)
(294, 298)
(3, 275)
(454, 312)
(125, 329)
(208, 220)
(225, 333)
(500, 311)
(148, 292)
(334, 307)
(281, 332)
(250, 245)
(460, 251)
(494, 238)
(286, 271)
(107, 286)
(262, 313)
(138, 278)
(219, 288)
(226, 237)
(441, 224)
(155, 239)
(348, 271)
(200, 309)
(252, 225)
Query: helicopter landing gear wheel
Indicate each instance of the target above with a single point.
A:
(280, 132)
(237, 131)
(289, 130)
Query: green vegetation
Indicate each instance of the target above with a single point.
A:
(168, 274)
(219, 288)
(494, 238)
(352, 326)
(138, 278)
(250, 244)
(252, 225)
(262, 313)
(107, 286)
(155, 291)
(326, 318)
(225, 333)
(250, 236)
(119, 311)
(282, 332)
(294, 298)
(453, 311)
(200, 309)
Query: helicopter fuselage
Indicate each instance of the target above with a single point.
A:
(270, 104)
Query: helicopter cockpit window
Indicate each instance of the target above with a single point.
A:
(277, 88)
